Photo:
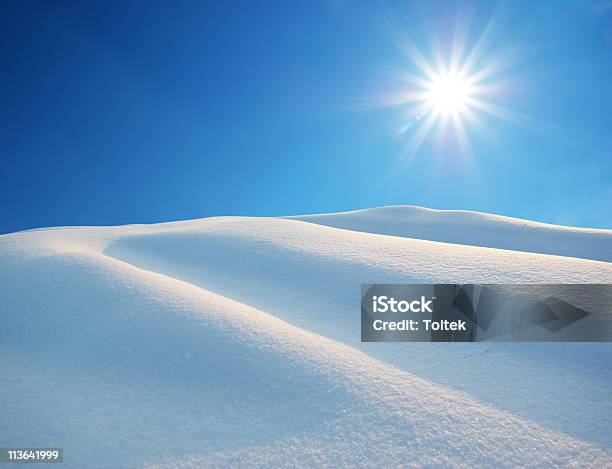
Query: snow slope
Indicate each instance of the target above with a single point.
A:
(473, 228)
(235, 341)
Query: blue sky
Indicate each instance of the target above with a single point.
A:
(121, 112)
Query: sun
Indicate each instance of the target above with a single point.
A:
(449, 94)
(444, 95)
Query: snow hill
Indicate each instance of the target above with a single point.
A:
(473, 228)
(234, 341)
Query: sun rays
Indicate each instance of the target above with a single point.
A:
(447, 95)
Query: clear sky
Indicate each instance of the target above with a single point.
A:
(120, 112)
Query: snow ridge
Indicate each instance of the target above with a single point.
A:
(474, 229)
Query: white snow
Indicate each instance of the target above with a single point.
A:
(235, 341)
(473, 228)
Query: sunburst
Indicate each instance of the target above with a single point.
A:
(449, 92)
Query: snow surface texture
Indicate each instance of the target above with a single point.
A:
(235, 341)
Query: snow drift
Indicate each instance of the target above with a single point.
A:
(235, 341)
(475, 229)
